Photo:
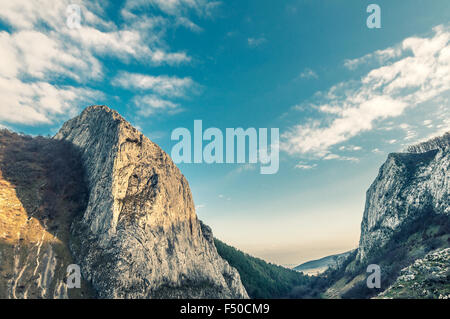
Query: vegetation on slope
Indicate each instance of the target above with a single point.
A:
(262, 279)
(428, 278)
(413, 241)
(41, 189)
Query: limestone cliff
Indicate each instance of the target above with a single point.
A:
(407, 185)
(139, 236)
(406, 217)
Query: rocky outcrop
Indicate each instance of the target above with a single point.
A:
(427, 277)
(407, 185)
(139, 236)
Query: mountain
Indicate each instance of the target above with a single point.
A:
(406, 217)
(262, 279)
(407, 185)
(103, 196)
(314, 267)
(133, 231)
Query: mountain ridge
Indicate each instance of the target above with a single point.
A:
(102, 195)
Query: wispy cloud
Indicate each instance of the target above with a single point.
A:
(305, 166)
(308, 74)
(255, 42)
(332, 156)
(420, 73)
(350, 148)
(185, 22)
(176, 7)
(170, 86)
(151, 104)
(379, 56)
(154, 92)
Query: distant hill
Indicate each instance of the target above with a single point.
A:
(314, 267)
(262, 279)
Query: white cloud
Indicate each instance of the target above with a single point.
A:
(410, 134)
(350, 148)
(303, 165)
(441, 129)
(352, 119)
(185, 22)
(379, 56)
(420, 74)
(95, 34)
(175, 7)
(163, 85)
(332, 156)
(161, 88)
(40, 102)
(255, 42)
(151, 104)
(40, 52)
(308, 74)
(42, 56)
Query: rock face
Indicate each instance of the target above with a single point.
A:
(407, 185)
(139, 236)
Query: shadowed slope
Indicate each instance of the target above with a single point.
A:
(41, 190)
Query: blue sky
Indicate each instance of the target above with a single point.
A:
(342, 95)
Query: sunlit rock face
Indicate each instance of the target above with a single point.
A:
(139, 236)
(42, 189)
(408, 184)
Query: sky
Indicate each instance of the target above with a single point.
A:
(342, 95)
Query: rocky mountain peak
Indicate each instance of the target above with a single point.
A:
(139, 236)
